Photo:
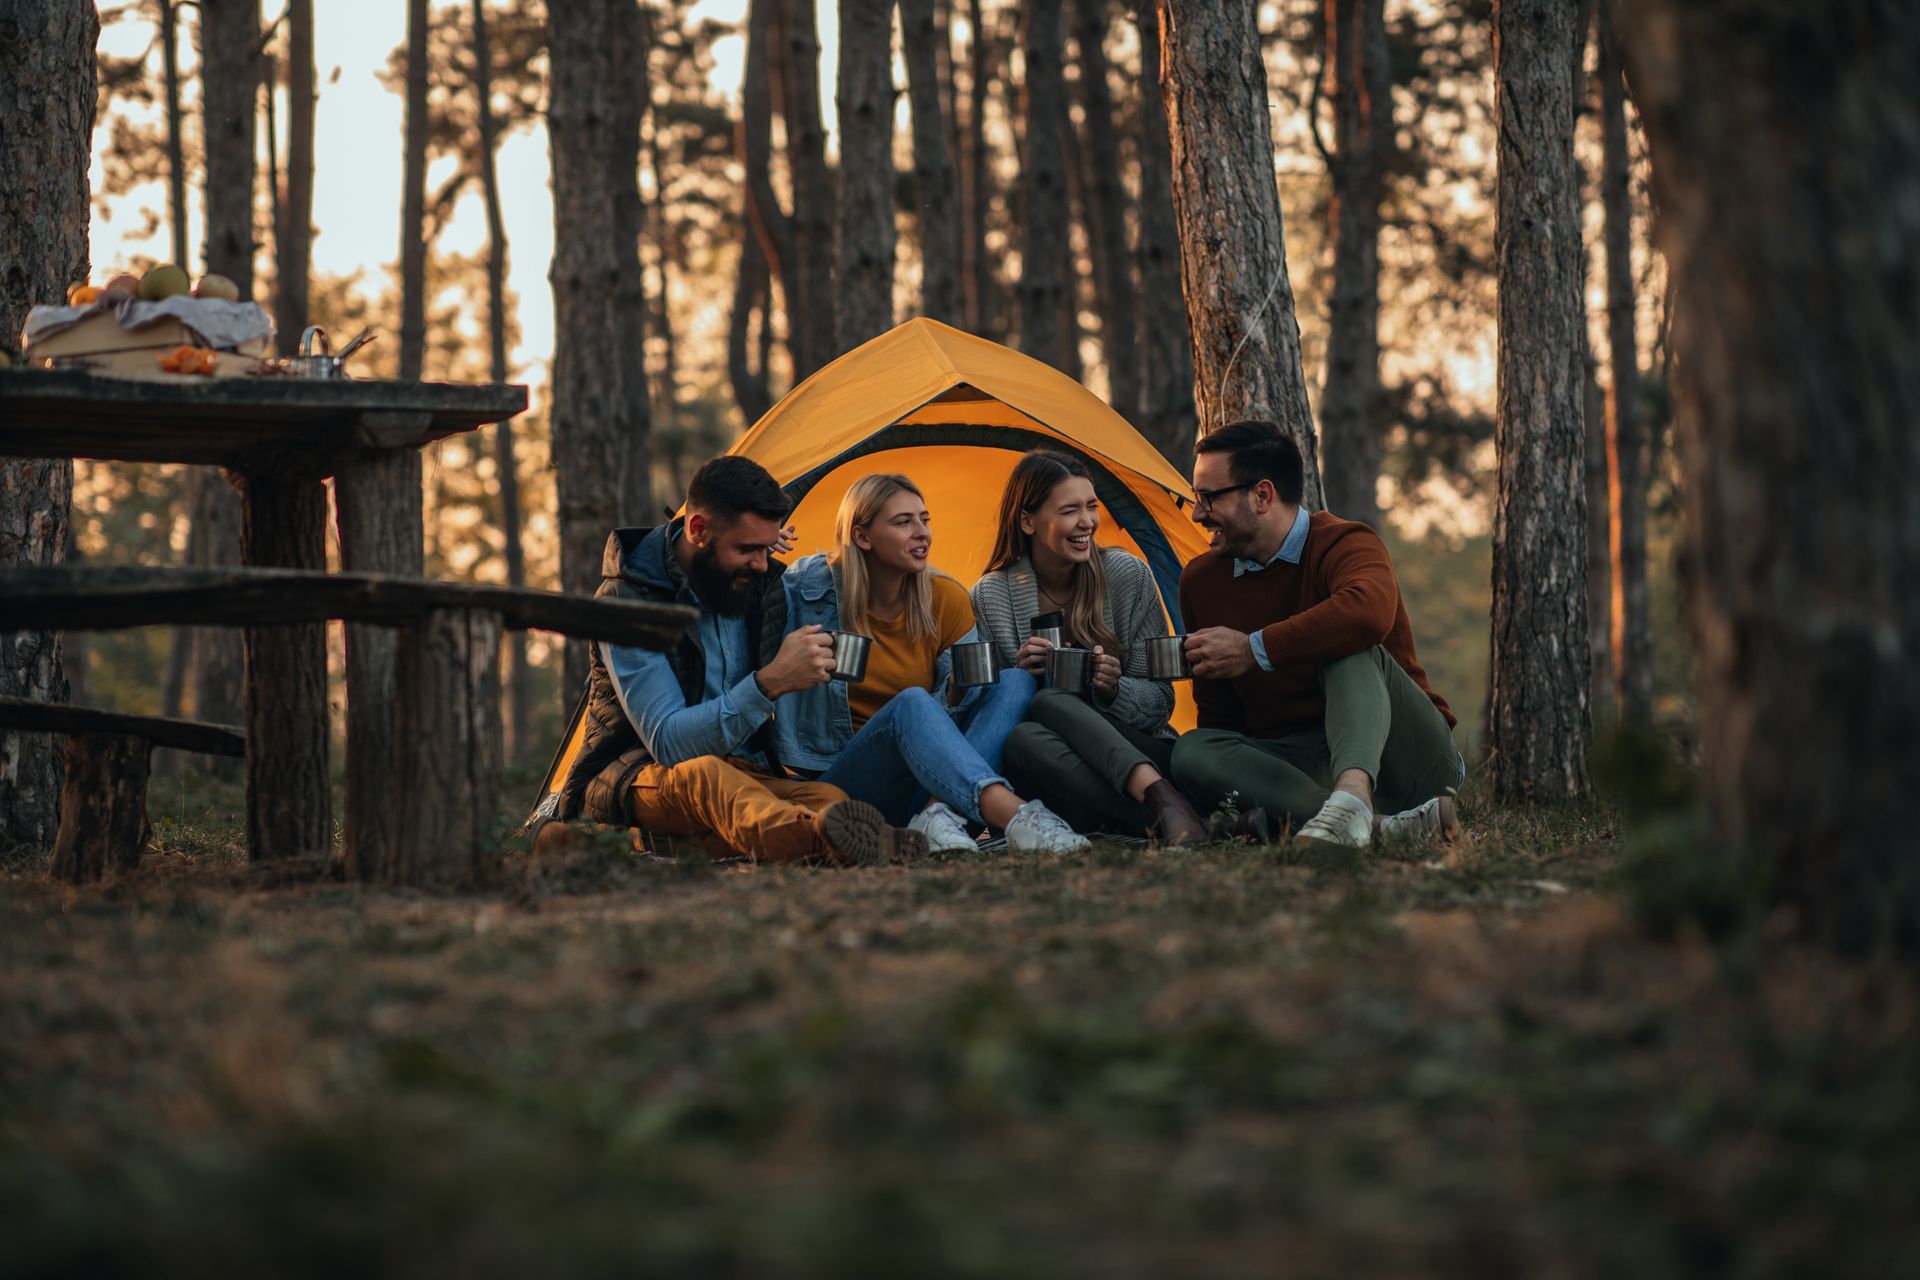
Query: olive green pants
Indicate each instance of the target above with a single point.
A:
(1076, 758)
(1378, 720)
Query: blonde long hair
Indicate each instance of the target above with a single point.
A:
(1033, 478)
(860, 508)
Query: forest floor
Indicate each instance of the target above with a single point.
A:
(1487, 1060)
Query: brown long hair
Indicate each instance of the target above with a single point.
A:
(861, 506)
(1034, 478)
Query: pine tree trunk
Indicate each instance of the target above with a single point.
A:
(1593, 433)
(979, 294)
(1632, 630)
(665, 388)
(864, 237)
(753, 132)
(749, 285)
(933, 180)
(597, 391)
(1796, 261)
(631, 95)
(1359, 87)
(810, 311)
(1246, 340)
(1104, 202)
(229, 83)
(1540, 717)
(176, 151)
(513, 646)
(1044, 212)
(293, 209)
(1165, 413)
(413, 200)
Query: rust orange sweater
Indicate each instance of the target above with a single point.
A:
(1341, 599)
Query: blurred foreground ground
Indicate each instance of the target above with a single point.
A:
(1126, 1063)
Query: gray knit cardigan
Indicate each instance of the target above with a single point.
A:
(1006, 600)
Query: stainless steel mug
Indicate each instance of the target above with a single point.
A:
(1070, 669)
(850, 650)
(1049, 626)
(974, 664)
(1167, 659)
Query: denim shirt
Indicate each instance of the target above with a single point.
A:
(812, 726)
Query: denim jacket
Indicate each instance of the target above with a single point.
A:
(812, 726)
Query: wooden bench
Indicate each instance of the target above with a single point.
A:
(103, 801)
(424, 797)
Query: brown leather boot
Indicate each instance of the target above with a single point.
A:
(1174, 820)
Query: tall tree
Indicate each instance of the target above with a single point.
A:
(810, 311)
(864, 235)
(413, 199)
(1797, 351)
(599, 395)
(751, 290)
(176, 133)
(513, 646)
(1540, 720)
(293, 205)
(933, 176)
(1043, 180)
(47, 98)
(1359, 87)
(761, 215)
(1105, 206)
(1626, 445)
(978, 284)
(632, 88)
(1166, 410)
(1246, 340)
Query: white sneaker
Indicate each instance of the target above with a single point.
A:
(1344, 822)
(944, 829)
(1435, 822)
(1038, 829)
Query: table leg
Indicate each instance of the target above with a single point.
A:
(288, 807)
(449, 715)
(378, 504)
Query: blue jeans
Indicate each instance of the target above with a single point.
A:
(913, 748)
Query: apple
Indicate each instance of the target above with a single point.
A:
(123, 283)
(163, 281)
(217, 286)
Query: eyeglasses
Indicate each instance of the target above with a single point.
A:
(1203, 499)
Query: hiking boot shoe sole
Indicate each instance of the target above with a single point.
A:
(856, 833)
(908, 846)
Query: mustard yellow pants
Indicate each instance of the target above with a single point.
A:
(738, 805)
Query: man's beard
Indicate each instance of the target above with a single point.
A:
(1235, 540)
(716, 587)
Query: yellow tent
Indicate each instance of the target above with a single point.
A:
(955, 412)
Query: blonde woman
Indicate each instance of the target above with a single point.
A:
(904, 739)
(1105, 762)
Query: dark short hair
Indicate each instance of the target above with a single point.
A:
(1258, 451)
(730, 486)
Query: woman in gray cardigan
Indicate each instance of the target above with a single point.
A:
(1101, 763)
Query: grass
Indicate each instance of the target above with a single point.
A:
(1127, 1062)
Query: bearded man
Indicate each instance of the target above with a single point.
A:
(1312, 702)
(681, 742)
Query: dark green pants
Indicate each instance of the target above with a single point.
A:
(1076, 759)
(1378, 720)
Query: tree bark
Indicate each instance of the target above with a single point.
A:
(176, 151)
(933, 180)
(1540, 717)
(47, 99)
(449, 717)
(214, 538)
(293, 207)
(1165, 413)
(1043, 180)
(810, 311)
(1593, 435)
(749, 287)
(631, 95)
(1246, 340)
(753, 133)
(1796, 262)
(413, 200)
(979, 292)
(229, 84)
(597, 391)
(864, 236)
(104, 798)
(1632, 631)
(1359, 87)
(1104, 203)
(517, 678)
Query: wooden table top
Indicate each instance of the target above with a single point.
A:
(244, 423)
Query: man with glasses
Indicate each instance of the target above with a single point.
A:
(1313, 705)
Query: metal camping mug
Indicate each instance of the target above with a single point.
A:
(1070, 670)
(974, 664)
(1167, 658)
(850, 650)
(1048, 626)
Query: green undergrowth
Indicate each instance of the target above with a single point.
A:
(1483, 1060)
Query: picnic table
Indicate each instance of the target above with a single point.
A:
(281, 439)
